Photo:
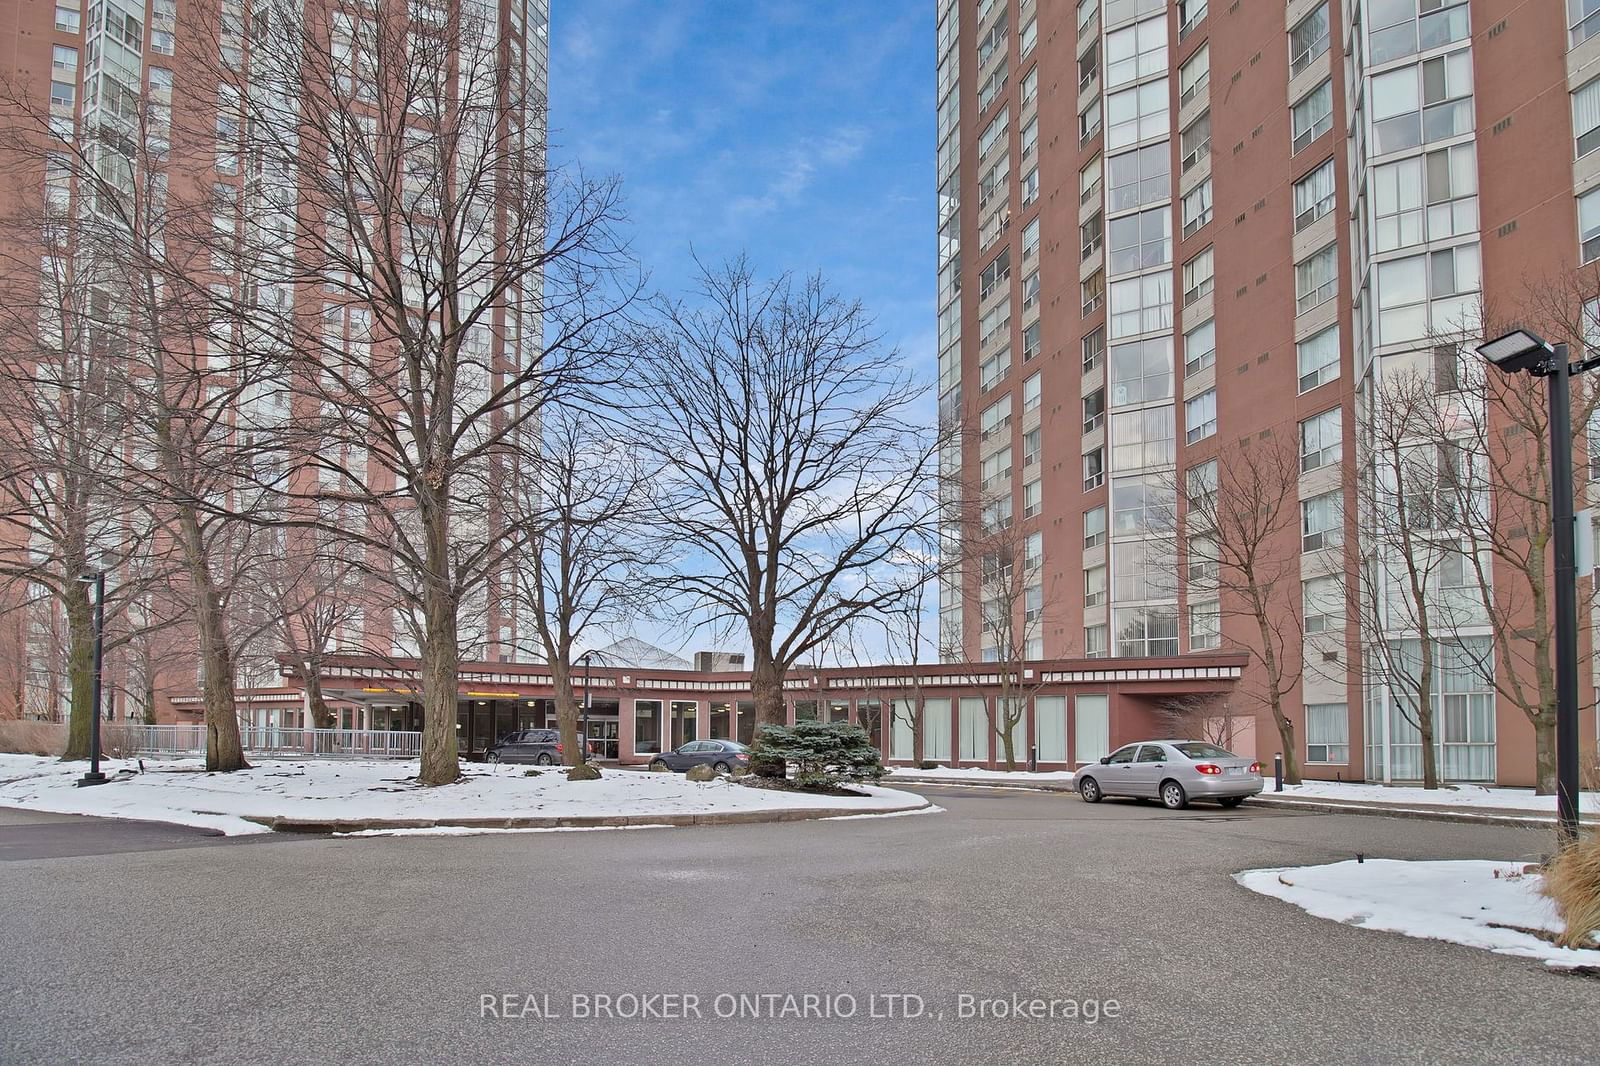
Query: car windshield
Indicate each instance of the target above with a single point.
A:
(1205, 751)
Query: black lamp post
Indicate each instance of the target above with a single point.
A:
(1517, 352)
(588, 688)
(93, 776)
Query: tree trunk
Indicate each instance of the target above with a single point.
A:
(1425, 723)
(321, 716)
(917, 755)
(80, 669)
(441, 667)
(766, 688)
(1544, 758)
(566, 711)
(224, 750)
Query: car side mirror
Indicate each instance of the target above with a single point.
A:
(1105, 760)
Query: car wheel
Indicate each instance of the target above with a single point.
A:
(1173, 797)
(660, 767)
(1089, 790)
(720, 767)
(1231, 801)
(492, 757)
(544, 759)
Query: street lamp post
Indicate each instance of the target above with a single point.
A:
(93, 776)
(1516, 352)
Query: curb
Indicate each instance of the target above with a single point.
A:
(1542, 821)
(330, 826)
(1040, 786)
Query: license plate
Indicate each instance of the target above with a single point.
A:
(1235, 771)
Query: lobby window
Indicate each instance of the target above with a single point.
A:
(1195, 74)
(1321, 440)
(1195, 143)
(1205, 626)
(1308, 40)
(1318, 358)
(1197, 277)
(1200, 417)
(1312, 116)
(1321, 521)
(1327, 733)
(1140, 177)
(1094, 527)
(647, 727)
(1313, 195)
(1589, 225)
(1197, 208)
(1323, 604)
(1316, 279)
(1200, 347)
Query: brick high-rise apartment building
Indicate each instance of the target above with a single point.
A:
(87, 63)
(1169, 231)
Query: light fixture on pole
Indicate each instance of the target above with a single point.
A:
(98, 578)
(1517, 352)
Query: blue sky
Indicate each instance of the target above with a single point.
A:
(801, 132)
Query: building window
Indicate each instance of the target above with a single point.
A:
(1308, 40)
(1313, 115)
(996, 273)
(1143, 504)
(1089, 181)
(1200, 347)
(1197, 277)
(994, 369)
(1316, 279)
(996, 468)
(1030, 138)
(1195, 75)
(1205, 626)
(163, 22)
(1136, 52)
(1584, 18)
(67, 20)
(994, 133)
(1089, 121)
(1031, 393)
(1030, 187)
(1143, 438)
(1200, 486)
(647, 727)
(1029, 37)
(1094, 642)
(1588, 224)
(1030, 86)
(1145, 631)
(1094, 527)
(1140, 242)
(1318, 358)
(1586, 117)
(1141, 371)
(1031, 445)
(1030, 240)
(1032, 499)
(1195, 142)
(1321, 518)
(1197, 208)
(1137, 114)
(1327, 733)
(1190, 12)
(64, 59)
(1093, 290)
(1093, 469)
(1204, 564)
(1094, 586)
(1032, 552)
(1321, 440)
(1140, 177)
(995, 418)
(1200, 416)
(63, 94)
(1141, 305)
(1030, 291)
(1094, 348)
(1313, 195)
(1094, 410)
(1090, 235)
(1323, 605)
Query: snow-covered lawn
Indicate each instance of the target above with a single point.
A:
(979, 775)
(182, 792)
(1520, 799)
(1461, 901)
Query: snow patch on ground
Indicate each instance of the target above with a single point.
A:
(470, 831)
(1518, 799)
(182, 791)
(930, 809)
(1459, 901)
(976, 774)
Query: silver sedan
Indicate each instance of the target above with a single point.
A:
(1172, 771)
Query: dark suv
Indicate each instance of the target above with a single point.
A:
(539, 746)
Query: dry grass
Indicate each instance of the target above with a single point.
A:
(21, 737)
(1572, 882)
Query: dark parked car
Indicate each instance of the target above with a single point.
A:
(721, 755)
(539, 746)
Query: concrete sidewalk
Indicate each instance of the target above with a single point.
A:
(1510, 816)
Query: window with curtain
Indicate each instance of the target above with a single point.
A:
(1586, 117)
